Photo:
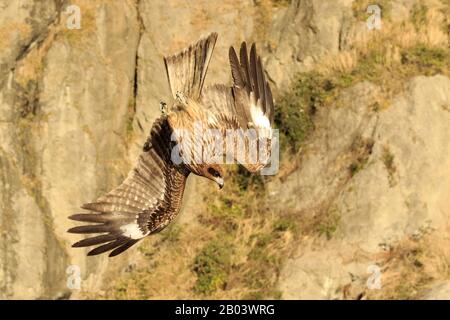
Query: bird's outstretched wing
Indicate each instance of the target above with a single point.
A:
(186, 70)
(248, 104)
(146, 201)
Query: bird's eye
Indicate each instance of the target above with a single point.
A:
(213, 172)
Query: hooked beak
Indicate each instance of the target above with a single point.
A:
(220, 182)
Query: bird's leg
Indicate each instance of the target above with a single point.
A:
(163, 107)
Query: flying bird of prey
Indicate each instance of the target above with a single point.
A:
(150, 197)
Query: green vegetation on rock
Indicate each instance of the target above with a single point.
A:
(212, 266)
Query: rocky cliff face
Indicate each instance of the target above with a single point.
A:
(65, 105)
(76, 105)
(396, 186)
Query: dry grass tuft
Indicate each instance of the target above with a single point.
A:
(410, 266)
(427, 26)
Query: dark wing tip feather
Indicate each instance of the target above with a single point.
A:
(231, 52)
(254, 71)
(235, 68)
(88, 217)
(108, 246)
(94, 240)
(77, 217)
(122, 248)
(253, 50)
(94, 228)
(243, 47)
(270, 108)
(261, 83)
(89, 206)
(244, 65)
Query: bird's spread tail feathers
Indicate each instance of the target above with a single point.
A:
(186, 70)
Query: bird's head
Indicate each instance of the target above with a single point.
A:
(213, 172)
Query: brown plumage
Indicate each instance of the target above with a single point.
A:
(150, 197)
